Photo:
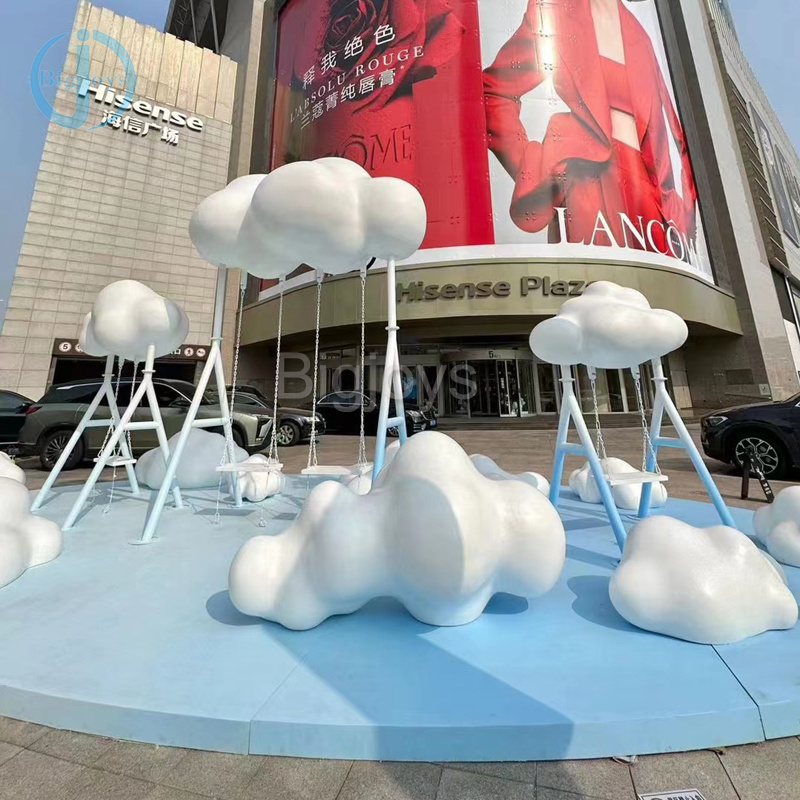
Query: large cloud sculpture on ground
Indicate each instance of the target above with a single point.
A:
(433, 533)
(127, 317)
(489, 468)
(329, 214)
(8, 469)
(626, 495)
(705, 585)
(778, 527)
(25, 540)
(608, 327)
(198, 465)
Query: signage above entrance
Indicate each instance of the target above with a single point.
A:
(418, 291)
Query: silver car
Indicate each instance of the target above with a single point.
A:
(50, 422)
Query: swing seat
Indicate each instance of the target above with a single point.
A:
(327, 471)
(628, 478)
(253, 466)
(117, 461)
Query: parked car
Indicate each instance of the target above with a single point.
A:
(50, 422)
(341, 413)
(294, 424)
(773, 429)
(13, 407)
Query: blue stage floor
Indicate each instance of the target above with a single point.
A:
(142, 643)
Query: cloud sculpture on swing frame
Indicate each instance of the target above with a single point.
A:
(460, 538)
(127, 317)
(704, 585)
(25, 540)
(778, 527)
(197, 468)
(609, 327)
(330, 214)
(626, 496)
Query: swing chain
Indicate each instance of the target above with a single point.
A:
(312, 449)
(647, 442)
(600, 445)
(229, 443)
(273, 444)
(362, 445)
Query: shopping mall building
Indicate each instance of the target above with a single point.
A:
(555, 143)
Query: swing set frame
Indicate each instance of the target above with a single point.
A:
(571, 413)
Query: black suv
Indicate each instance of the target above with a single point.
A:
(773, 429)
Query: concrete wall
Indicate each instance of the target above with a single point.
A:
(109, 204)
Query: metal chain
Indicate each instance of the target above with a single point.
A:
(312, 448)
(116, 398)
(362, 444)
(600, 443)
(647, 442)
(118, 449)
(273, 445)
(229, 443)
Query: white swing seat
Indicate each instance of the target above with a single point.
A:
(327, 471)
(628, 478)
(254, 466)
(117, 461)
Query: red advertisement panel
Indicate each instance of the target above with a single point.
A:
(532, 128)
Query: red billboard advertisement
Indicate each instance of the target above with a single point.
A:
(532, 128)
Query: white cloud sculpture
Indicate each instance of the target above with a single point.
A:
(626, 496)
(127, 317)
(608, 327)
(705, 585)
(489, 468)
(258, 486)
(25, 540)
(329, 214)
(778, 526)
(8, 469)
(198, 465)
(433, 533)
(216, 225)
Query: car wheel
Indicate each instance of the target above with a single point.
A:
(393, 432)
(288, 434)
(771, 452)
(238, 439)
(52, 447)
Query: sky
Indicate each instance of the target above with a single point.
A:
(767, 30)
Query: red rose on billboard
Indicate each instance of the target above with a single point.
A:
(429, 25)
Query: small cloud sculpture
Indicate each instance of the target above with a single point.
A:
(489, 468)
(778, 527)
(8, 469)
(216, 225)
(626, 496)
(198, 466)
(127, 317)
(704, 585)
(460, 538)
(25, 540)
(258, 486)
(609, 327)
(331, 214)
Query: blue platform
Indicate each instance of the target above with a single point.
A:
(143, 643)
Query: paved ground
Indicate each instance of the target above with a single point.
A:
(515, 451)
(38, 763)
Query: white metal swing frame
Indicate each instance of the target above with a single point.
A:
(106, 391)
(571, 413)
(145, 393)
(213, 366)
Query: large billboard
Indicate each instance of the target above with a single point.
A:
(533, 128)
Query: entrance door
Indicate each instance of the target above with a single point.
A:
(508, 388)
(484, 401)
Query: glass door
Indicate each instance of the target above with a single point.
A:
(527, 388)
(547, 386)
